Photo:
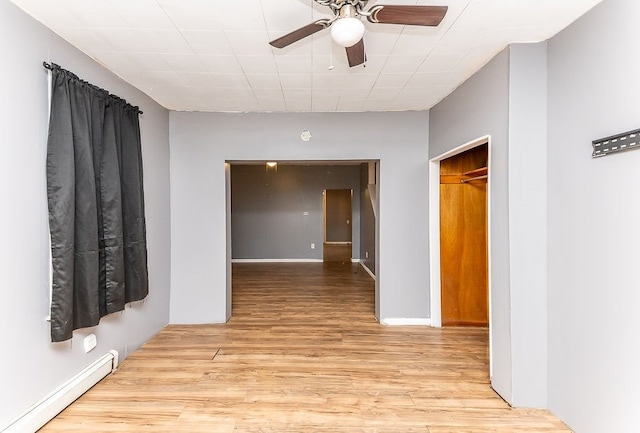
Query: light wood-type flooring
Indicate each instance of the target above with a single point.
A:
(303, 353)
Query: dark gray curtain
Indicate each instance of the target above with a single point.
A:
(96, 204)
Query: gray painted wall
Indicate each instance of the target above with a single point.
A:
(481, 107)
(528, 222)
(367, 222)
(32, 367)
(506, 100)
(268, 206)
(594, 209)
(202, 142)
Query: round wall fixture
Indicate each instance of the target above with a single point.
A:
(306, 135)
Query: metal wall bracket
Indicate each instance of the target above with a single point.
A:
(616, 143)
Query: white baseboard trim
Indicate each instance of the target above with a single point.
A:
(355, 260)
(276, 260)
(397, 321)
(371, 274)
(46, 409)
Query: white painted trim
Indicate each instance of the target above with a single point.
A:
(434, 243)
(366, 268)
(46, 409)
(397, 321)
(276, 260)
(355, 260)
(434, 233)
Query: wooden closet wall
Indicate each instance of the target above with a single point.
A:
(463, 239)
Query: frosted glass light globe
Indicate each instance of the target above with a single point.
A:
(347, 32)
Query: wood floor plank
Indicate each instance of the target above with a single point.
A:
(303, 353)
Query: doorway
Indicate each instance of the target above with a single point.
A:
(338, 215)
(463, 239)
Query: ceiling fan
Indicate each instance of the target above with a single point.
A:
(348, 29)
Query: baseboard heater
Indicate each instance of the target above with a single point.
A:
(46, 409)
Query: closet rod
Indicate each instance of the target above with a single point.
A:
(474, 178)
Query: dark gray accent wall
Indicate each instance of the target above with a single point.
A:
(367, 222)
(594, 209)
(277, 213)
(32, 367)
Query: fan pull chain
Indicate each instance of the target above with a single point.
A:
(331, 56)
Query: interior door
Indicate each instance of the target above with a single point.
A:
(337, 225)
(463, 239)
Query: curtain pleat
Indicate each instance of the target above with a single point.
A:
(93, 215)
(135, 244)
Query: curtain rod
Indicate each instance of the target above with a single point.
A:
(50, 67)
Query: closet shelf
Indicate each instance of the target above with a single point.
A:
(468, 176)
(482, 171)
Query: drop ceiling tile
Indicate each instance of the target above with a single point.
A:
(297, 93)
(441, 61)
(114, 61)
(295, 81)
(215, 15)
(323, 45)
(221, 64)
(373, 65)
(479, 16)
(164, 78)
(150, 61)
(272, 105)
(186, 62)
(235, 93)
(383, 93)
(258, 64)
(333, 65)
(144, 40)
(206, 55)
(296, 14)
(379, 42)
(214, 81)
(378, 105)
(142, 13)
(325, 104)
(393, 80)
(403, 64)
(294, 64)
(363, 80)
(271, 94)
(50, 12)
(350, 105)
(208, 42)
(330, 80)
(428, 80)
(85, 39)
(355, 93)
(414, 44)
(249, 43)
(264, 81)
(98, 14)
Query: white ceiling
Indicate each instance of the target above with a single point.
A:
(213, 55)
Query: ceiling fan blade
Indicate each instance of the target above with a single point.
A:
(301, 33)
(356, 54)
(413, 15)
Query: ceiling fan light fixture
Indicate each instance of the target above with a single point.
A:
(347, 32)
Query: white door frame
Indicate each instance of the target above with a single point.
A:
(434, 229)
